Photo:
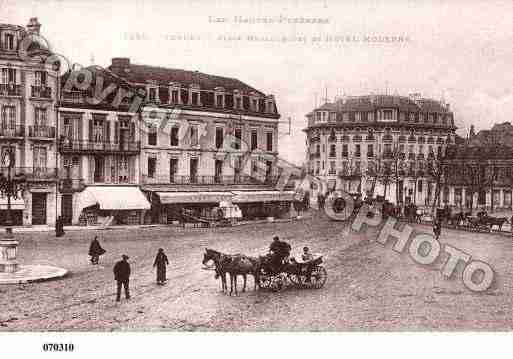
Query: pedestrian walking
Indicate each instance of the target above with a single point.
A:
(122, 276)
(59, 227)
(437, 228)
(95, 251)
(161, 262)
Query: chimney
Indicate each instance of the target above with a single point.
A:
(120, 65)
(33, 26)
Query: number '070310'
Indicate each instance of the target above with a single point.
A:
(58, 347)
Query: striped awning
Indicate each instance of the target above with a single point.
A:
(262, 196)
(193, 197)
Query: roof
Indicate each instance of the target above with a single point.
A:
(373, 102)
(141, 74)
(500, 134)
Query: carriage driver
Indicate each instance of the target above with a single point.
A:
(280, 250)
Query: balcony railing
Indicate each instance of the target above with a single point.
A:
(315, 139)
(332, 154)
(32, 173)
(411, 156)
(74, 146)
(402, 138)
(440, 141)
(332, 172)
(430, 140)
(12, 131)
(387, 138)
(357, 138)
(42, 131)
(209, 180)
(411, 139)
(10, 90)
(421, 139)
(41, 92)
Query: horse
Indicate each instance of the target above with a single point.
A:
(456, 218)
(235, 264)
(220, 261)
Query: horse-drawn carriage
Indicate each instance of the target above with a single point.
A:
(481, 222)
(309, 274)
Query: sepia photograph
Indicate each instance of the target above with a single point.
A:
(256, 167)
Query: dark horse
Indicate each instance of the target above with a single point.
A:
(236, 264)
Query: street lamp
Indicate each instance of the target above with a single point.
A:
(10, 187)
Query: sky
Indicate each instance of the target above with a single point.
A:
(459, 51)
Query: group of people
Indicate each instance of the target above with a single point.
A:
(122, 270)
(280, 254)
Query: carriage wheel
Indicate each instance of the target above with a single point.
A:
(277, 283)
(265, 281)
(319, 277)
(297, 279)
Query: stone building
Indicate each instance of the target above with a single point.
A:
(478, 173)
(99, 150)
(205, 139)
(379, 145)
(28, 92)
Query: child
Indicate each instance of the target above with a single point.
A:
(307, 256)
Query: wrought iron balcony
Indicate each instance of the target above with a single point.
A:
(332, 172)
(402, 138)
(344, 138)
(76, 146)
(332, 154)
(412, 139)
(388, 155)
(357, 138)
(388, 138)
(10, 89)
(41, 92)
(33, 173)
(12, 131)
(42, 132)
(209, 180)
(370, 138)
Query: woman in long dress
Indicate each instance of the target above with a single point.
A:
(161, 262)
(95, 251)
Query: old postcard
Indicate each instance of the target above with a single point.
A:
(255, 166)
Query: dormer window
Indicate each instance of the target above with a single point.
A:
(219, 101)
(238, 103)
(254, 105)
(174, 96)
(318, 117)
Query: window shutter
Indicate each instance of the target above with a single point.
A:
(116, 132)
(107, 131)
(91, 129)
(132, 131)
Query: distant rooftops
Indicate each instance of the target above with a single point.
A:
(412, 103)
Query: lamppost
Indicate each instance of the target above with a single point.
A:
(10, 187)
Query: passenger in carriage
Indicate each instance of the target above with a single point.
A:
(280, 250)
(307, 256)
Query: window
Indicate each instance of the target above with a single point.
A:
(174, 96)
(195, 99)
(357, 150)
(318, 149)
(173, 169)
(419, 186)
(219, 100)
(194, 136)
(255, 105)
(40, 157)
(332, 151)
(219, 137)
(344, 150)
(9, 41)
(388, 149)
(9, 117)
(387, 115)
(318, 116)
(40, 117)
(254, 140)
(173, 140)
(40, 78)
(5, 149)
(152, 167)
(152, 135)
(152, 94)
(238, 137)
(238, 103)
(4, 76)
(218, 171)
(370, 151)
(269, 145)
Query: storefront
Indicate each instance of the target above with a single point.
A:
(263, 204)
(110, 205)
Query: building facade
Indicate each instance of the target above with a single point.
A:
(379, 145)
(478, 173)
(99, 151)
(28, 93)
(204, 139)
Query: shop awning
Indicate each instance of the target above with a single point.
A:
(16, 204)
(111, 198)
(193, 197)
(262, 196)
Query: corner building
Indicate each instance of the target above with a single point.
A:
(352, 141)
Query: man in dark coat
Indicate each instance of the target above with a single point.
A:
(280, 250)
(122, 276)
(59, 227)
(437, 228)
(95, 251)
(160, 262)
